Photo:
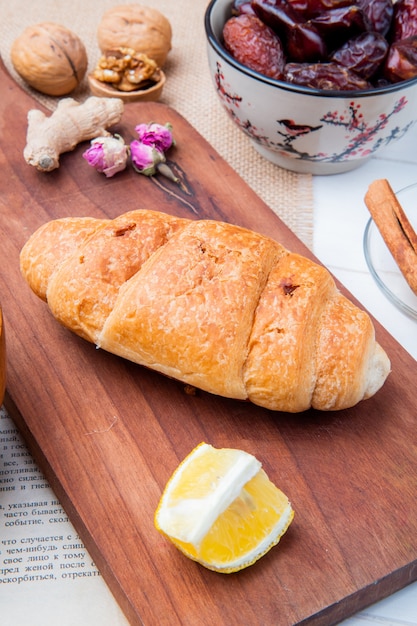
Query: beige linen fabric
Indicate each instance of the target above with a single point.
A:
(188, 90)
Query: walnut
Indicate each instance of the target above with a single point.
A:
(50, 58)
(139, 27)
(127, 70)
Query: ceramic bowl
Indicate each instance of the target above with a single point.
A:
(302, 129)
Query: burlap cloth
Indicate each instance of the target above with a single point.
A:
(188, 90)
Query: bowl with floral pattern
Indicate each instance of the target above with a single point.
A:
(301, 128)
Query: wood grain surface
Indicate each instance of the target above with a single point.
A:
(108, 433)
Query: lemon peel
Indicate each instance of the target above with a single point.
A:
(220, 509)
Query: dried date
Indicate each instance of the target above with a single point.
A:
(338, 25)
(302, 39)
(378, 13)
(336, 22)
(254, 44)
(363, 54)
(324, 76)
(303, 42)
(311, 8)
(404, 21)
(326, 44)
(401, 63)
(242, 6)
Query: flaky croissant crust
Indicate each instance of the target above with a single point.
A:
(214, 305)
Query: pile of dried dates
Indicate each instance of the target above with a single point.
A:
(326, 44)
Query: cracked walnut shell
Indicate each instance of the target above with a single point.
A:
(50, 58)
(141, 28)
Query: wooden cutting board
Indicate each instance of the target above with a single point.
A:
(108, 433)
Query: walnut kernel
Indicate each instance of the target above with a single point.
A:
(127, 70)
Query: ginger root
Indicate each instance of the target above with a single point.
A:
(70, 124)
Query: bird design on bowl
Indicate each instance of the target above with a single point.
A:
(292, 130)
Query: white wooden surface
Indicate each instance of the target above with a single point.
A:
(340, 217)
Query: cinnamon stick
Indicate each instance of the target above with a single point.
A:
(395, 228)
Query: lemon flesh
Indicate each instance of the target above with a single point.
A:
(221, 509)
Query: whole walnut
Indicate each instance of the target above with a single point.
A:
(142, 28)
(50, 58)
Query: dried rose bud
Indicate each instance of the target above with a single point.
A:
(108, 155)
(145, 158)
(156, 135)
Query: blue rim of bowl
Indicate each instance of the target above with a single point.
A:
(219, 48)
(382, 286)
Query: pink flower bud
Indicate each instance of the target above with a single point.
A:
(145, 158)
(156, 135)
(107, 155)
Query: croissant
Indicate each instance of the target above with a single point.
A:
(217, 306)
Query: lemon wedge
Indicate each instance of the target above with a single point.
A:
(220, 509)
